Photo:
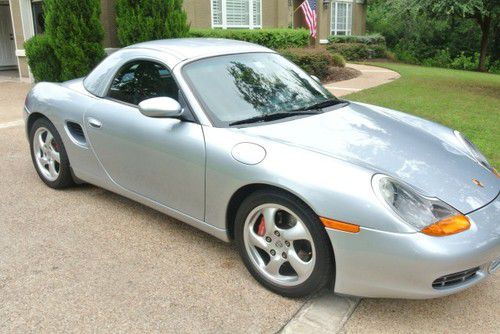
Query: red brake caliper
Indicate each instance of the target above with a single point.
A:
(261, 229)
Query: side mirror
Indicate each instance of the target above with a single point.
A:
(315, 78)
(160, 107)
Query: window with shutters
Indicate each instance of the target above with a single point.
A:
(245, 14)
(341, 18)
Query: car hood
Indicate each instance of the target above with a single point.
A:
(418, 152)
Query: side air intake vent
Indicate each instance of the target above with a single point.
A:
(455, 278)
(76, 131)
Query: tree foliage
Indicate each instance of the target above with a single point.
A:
(424, 32)
(140, 21)
(484, 12)
(75, 33)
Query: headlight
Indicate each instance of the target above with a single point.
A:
(428, 215)
(474, 152)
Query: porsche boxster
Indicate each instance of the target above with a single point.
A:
(315, 191)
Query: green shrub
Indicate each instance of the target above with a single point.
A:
(405, 56)
(377, 51)
(390, 55)
(315, 61)
(358, 47)
(139, 21)
(494, 66)
(42, 60)
(375, 39)
(441, 59)
(351, 51)
(463, 62)
(75, 33)
(337, 60)
(271, 38)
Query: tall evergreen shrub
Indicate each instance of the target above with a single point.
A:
(139, 21)
(75, 33)
(42, 59)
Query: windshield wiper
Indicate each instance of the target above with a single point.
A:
(273, 117)
(322, 104)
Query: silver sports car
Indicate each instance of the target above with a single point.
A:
(315, 191)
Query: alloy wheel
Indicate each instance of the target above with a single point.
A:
(279, 245)
(46, 153)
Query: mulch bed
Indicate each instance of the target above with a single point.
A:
(341, 74)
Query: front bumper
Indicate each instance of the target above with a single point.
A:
(374, 263)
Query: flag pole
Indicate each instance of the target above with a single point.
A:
(318, 13)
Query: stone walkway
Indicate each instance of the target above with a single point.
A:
(371, 76)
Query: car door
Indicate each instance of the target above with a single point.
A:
(162, 159)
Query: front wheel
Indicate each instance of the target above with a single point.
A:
(283, 244)
(49, 155)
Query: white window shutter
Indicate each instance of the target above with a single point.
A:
(216, 13)
(236, 13)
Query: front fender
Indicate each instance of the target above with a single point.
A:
(333, 188)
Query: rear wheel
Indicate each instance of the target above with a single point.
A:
(49, 155)
(283, 244)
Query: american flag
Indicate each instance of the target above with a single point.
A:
(309, 9)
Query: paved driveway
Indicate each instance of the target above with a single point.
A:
(85, 259)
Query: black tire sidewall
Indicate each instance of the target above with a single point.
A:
(324, 268)
(65, 178)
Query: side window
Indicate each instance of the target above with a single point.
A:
(141, 80)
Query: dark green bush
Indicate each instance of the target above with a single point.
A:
(351, 51)
(271, 38)
(441, 59)
(464, 62)
(365, 39)
(494, 66)
(42, 60)
(75, 33)
(315, 61)
(139, 21)
(358, 47)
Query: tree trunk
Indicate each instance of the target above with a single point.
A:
(485, 24)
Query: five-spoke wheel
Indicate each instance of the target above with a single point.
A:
(279, 244)
(49, 155)
(283, 243)
(46, 153)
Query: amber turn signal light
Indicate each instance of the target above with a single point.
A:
(341, 226)
(448, 226)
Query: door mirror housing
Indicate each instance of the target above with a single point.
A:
(161, 107)
(315, 78)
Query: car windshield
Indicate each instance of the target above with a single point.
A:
(253, 86)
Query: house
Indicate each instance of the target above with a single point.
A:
(22, 19)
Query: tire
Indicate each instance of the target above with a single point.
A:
(295, 226)
(55, 174)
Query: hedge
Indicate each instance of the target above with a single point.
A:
(375, 39)
(315, 61)
(271, 38)
(42, 59)
(358, 51)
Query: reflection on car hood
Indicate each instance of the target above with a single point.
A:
(421, 153)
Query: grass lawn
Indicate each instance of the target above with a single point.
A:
(466, 101)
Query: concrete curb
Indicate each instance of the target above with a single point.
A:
(324, 313)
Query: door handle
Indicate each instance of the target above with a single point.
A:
(95, 123)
